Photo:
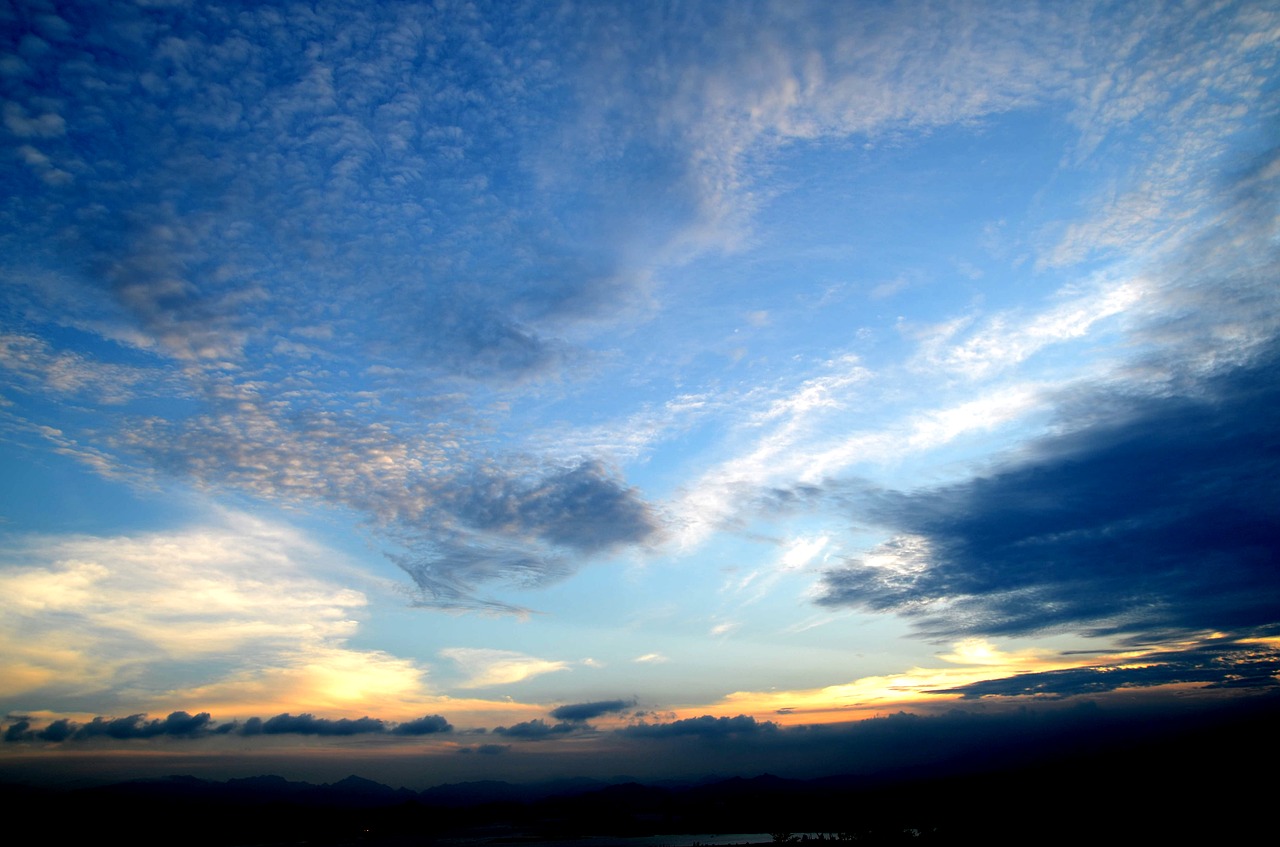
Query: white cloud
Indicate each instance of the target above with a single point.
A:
(239, 604)
(1007, 339)
(484, 667)
(723, 628)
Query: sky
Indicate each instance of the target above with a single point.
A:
(498, 390)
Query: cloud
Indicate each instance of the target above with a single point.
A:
(306, 724)
(185, 726)
(1232, 664)
(587, 711)
(318, 193)
(46, 125)
(436, 233)
(81, 615)
(427, 725)
(135, 726)
(1154, 512)
(485, 667)
(466, 520)
(581, 508)
(34, 361)
(539, 729)
(18, 730)
(177, 724)
(706, 726)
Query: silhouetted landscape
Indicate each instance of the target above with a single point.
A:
(1184, 782)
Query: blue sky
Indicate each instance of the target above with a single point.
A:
(440, 366)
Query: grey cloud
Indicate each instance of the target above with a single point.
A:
(468, 337)
(500, 522)
(307, 724)
(538, 728)
(1157, 514)
(56, 731)
(706, 726)
(448, 573)
(583, 508)
(1225, 666)
(183, 725)
(18, 730)
(179, 724)
(587, 711)
(427, 725)
(136, 726)
(59, 730)
(517, 531)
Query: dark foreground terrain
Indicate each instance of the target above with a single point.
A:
(1204, 783)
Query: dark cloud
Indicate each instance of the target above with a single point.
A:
(180, 724)
(583, 508)
(705, 726)
(521, 531)
(1214, 665)
(587, 711)
(538, 728)
(59, 730)
(1157, 514)
(18, 730)
(427, 725)
(307, 724)
(136, 726)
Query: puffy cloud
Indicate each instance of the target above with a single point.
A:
(306, 724)
(426, 725)
(539, 729)
(185, 726)
(179, 724)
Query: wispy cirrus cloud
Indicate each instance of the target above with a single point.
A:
(485, 667)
